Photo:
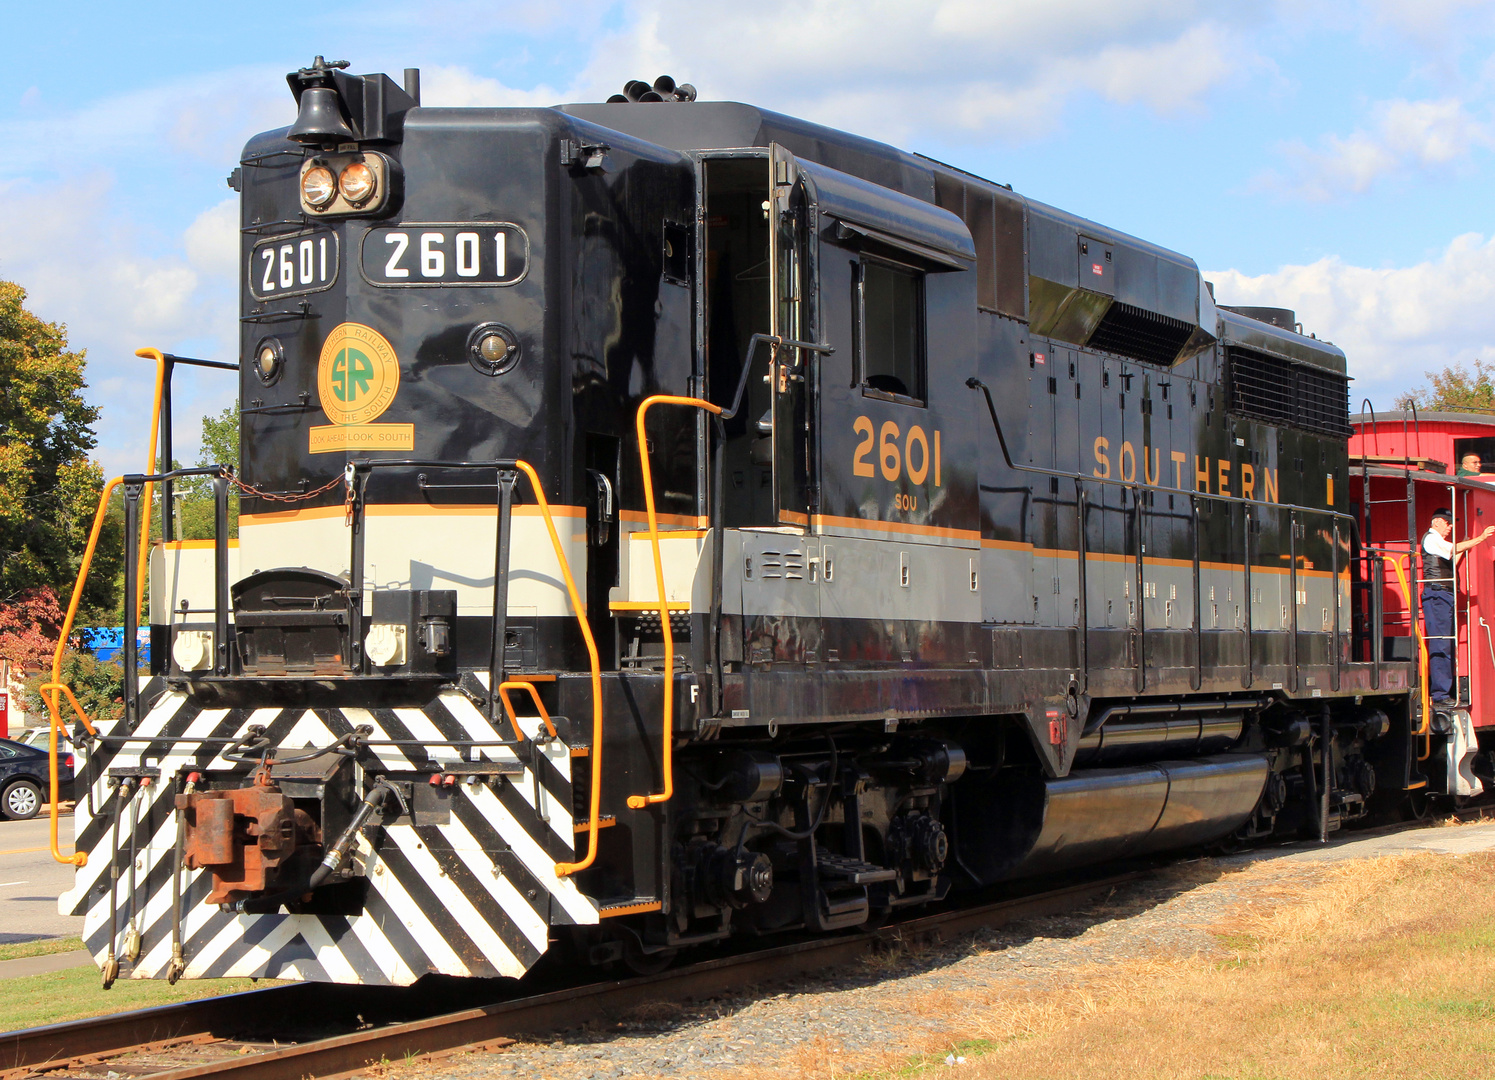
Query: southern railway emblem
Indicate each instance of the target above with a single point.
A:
(358, 375)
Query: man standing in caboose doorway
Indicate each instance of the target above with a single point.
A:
(1440, 554)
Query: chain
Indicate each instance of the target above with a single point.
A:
(277, 497)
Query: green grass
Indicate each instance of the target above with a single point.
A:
(40, 947)
(966, 1048)
(74, 994)
(1423, 1008)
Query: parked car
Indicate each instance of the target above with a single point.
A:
(38, 737)
(24, 778)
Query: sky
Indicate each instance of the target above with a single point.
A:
(1332, 156)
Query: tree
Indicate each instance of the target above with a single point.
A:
(99, 688)
(220, 446)
(1454, 389)
(49, 488)
(29, 627)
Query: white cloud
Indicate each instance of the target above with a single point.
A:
(96, 277)
(1393, 324)
(1433, 23)
(457, 88)
(212, 241)
(192, 120)
(1430, 136)
(969, 66)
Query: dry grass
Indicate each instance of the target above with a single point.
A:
(1384, 968)
(1381, 967)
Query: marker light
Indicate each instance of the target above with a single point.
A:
(269, 360)
(357, 183)
(318, 187)
(493, 348)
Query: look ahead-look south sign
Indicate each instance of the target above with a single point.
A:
(358, 375)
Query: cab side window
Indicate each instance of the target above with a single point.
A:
(890, 353)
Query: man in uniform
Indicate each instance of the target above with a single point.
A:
(1439, 557)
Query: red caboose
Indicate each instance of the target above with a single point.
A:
(1404, 469)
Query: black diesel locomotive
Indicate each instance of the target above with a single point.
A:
(664, 520)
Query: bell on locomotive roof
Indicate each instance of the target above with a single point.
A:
(320, 119)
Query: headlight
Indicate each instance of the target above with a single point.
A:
(318, 187)
(357, 183)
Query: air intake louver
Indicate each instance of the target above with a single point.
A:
(1278, 391)
(1140, 334)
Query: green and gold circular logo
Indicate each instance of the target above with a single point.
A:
(357, 374)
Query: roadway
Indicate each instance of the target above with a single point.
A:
(31, 880)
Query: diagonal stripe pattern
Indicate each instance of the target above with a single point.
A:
(473, 896)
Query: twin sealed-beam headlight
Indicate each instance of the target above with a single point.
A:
(318, 186)
(354, 183)
(357, 183)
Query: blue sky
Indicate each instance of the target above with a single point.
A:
(1330, 156)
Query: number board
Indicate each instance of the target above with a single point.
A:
(485, 253)
(293, 264)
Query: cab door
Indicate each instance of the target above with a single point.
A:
(792, 319)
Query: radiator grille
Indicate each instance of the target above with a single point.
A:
(1265, 387)
(1140, 334)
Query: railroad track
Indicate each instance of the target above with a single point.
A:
(254, 1035)
(219, 1037)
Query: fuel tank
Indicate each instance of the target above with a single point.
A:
(1008, 827)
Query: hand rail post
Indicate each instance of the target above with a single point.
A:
(1081, 508)
(222, 661)
(357, 478)
(666, 761)
(1250, 677)
(1196, 679)
(1292, 607)
(134, 486)
(1139, 628)
(1334, 580)
(507, 478)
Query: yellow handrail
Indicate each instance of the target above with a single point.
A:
(78, 858)
(503, 693)
(1422, 658)
(666, 760)
(595, 801)
(150, 468)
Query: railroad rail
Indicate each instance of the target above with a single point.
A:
(231, 1022)
(280, 1031)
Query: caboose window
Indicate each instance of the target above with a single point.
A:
(891, 319)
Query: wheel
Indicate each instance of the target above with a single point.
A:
(642, 963)
(21, 801)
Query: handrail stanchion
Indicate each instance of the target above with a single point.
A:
(221, 659)
(134, 586)
(50, 691)
(1425, 730)
(666, 760)
(163, 372)
(506, 480)
(595, 798)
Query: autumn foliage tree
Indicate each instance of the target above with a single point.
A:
(1454, 389)
(49, 488)
(28, 629)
